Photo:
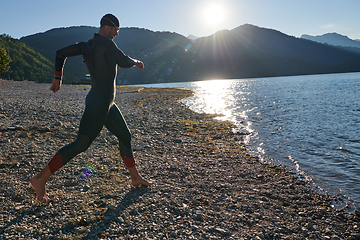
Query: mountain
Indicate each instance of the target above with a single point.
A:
(250, 51)
(159, 51)
(333, 39)
(244, 52)
(26, 63)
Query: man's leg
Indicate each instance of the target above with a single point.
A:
(62, 157)
(91, 123)
(116, 124)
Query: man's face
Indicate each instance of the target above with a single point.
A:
(113, 32)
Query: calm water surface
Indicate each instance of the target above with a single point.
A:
(308, 123)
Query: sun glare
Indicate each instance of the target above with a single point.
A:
(213, 14)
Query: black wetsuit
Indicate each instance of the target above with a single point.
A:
(102, 57)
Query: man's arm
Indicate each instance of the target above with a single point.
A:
(120, 58)
(61, 55)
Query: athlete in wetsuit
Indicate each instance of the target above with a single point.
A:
(102, 57)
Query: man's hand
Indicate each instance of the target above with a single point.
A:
(55, 85)
(139, 64)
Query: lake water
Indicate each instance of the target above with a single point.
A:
(310, 124)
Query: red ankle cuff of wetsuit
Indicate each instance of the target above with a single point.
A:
(55, 163)
(129, 161)
(58, 73)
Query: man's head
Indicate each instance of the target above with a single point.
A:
(109, 26)
(109, 20)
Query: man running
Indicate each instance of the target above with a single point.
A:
(102, 57)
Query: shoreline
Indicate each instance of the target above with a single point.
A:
(207, 185)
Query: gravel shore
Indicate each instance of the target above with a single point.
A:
(207, 185)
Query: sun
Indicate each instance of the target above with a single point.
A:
(213, 14)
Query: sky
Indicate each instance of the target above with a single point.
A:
(20, 18)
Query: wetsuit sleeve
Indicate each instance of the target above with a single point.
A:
(119, 57)
(62, 54)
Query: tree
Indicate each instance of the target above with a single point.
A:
(4, 60)
(25, 63)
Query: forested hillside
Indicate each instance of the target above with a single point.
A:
(26, 63)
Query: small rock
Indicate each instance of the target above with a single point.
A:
(334, 237)
(19, 207)
(310, 226)
(24, 134)
(198, 216)
(18, 127)
(58, 124)
(327, 231)
(221, 231)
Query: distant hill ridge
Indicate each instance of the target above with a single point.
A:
(192, 37)
(244, 52)
(333, 39)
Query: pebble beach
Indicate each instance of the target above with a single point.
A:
(207, 185)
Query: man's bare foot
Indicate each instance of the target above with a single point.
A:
(40, 190)
(39, 184)
(137, 180)
(141, 182)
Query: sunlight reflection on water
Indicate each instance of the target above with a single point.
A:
(213, 97)
(218, 97)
